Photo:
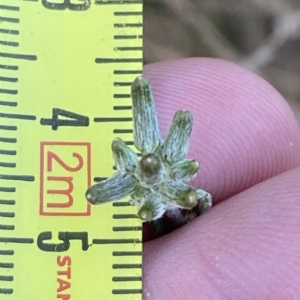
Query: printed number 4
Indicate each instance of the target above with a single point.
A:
(66, 5)
(73, 119)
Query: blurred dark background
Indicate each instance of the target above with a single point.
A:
(262, 35)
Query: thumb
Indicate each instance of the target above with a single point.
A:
(247, 247)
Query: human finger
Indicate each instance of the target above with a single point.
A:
(247, 247)
(244, 131)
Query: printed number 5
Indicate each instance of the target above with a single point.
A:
(66, 237)
(67, 5)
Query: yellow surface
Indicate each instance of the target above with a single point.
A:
(65, 75)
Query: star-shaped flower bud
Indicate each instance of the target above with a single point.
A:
(157, 182)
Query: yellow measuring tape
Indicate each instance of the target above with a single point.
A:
(66, 67)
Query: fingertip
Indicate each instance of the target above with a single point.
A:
(244, 131)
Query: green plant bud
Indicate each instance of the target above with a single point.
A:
(206, 201)
(151, 208)
(177, 143)
(146, 131)
(114, 188)
(179, 193)
(151, 170)
(155, 183)
(138, 194)
(184, 170)
(125, 158)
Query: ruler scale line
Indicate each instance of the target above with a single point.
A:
(127, 266)
(18, 116)
(112, 119)
(9, 7)
(8, 103)
(127, 292)
(122, 107)
(117, 60)
(128, 13)
(17, 177)
(123, 131)
(6, 291)
(7, 227)
(127, 228)
(7, 202)
(121, 204)
(127, 253)
(9, 67)
(127, 72)
(8, 127)
(129, 278)
(7, 189)
(8, 152)
(6, 265)
(122, 96)
(16, 240)
(18, 56)
(124, 216)
(9, 79)
(6, 278)
(9, 43)
(129, 37)
(8, 165)
(129, 25)
(121, 2)
(7, 214)
(9, 91)
(8, 140)
(115, 241)
(10, 20)
(7, 252)
(128, 48)
(120, 83)
(9, 31)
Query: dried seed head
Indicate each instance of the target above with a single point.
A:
(146, 131)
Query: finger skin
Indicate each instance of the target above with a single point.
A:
(247, 247)
(244, 131)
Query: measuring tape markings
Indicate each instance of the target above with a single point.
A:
(9, 22)
(10, 92)
(117, 205)
(13, 116)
